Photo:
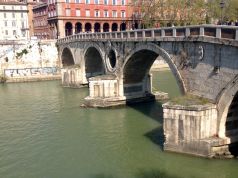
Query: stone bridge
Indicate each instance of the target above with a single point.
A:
(203, 59)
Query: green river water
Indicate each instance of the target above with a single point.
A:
(45, 134)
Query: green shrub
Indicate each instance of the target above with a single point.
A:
(24, 51)
(3, 79)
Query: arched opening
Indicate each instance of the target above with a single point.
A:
(123, 26)
(67, 58)
(78, 27)
(137, 78)
(93, 63)
(114, 27)
(88, 27)
(97, 27)
(136, 26)
(105, 27)
(137, 67)
(68, 29)
(112, 58)
(231, 125)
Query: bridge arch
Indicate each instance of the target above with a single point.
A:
(93, 61)
(140, 60)
(228, 110)
(67, 57)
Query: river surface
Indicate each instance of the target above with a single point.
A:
(45, 134)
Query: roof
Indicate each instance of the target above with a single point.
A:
(12, 3)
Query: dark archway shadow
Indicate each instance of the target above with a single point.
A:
(154, 111)
(102, 176)
(154, 174)
(156, 136)
(233, 149)
(143, 174)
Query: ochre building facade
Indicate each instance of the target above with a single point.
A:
(67, 17)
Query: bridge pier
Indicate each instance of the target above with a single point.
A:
(193, 130)
(73, 77)
(108, 90)
(105, 91)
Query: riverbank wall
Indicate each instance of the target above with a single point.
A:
(159, 64)
(29, 60)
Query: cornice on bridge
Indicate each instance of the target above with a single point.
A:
(227, 35)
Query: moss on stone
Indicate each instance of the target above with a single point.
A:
(188, 100)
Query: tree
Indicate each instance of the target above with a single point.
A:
(227, 13)
(168, 12)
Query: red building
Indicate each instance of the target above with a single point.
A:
(40, 22)
(67, 17)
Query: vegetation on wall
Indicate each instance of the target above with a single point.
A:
(3, 79)
(24, 51)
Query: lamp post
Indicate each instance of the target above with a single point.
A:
(222, 5)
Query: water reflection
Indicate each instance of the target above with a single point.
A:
(45, 133)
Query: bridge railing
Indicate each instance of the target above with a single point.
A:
(215, 31)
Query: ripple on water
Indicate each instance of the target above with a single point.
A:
(44, 133)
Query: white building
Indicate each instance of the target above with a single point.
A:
(13, 20)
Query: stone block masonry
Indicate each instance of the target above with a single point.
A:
(203, 60)
(30, 61)
(192, 130)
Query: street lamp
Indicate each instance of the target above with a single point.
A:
(222, 5)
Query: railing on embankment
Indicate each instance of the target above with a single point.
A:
(214, 31)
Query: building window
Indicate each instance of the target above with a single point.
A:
(22, 24)
(114, 13)
(123, 14)
(12, 7)
(13, 23)
(114, 2)
(105, 13)
(4, 7)
(123, 2)
(21, 15)
(87, 1)
(5, 22)
(6, 32)
(21, 7)
(105, 2)
(87, 13)
(5, 15)
(67, 11)
(67, 1)
(78, 12)
(14, 32)
(23, 33)
(97, 14)
(13, 15)
(96, 1)
(77, 1)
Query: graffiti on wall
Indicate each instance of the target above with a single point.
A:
(30, 72)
